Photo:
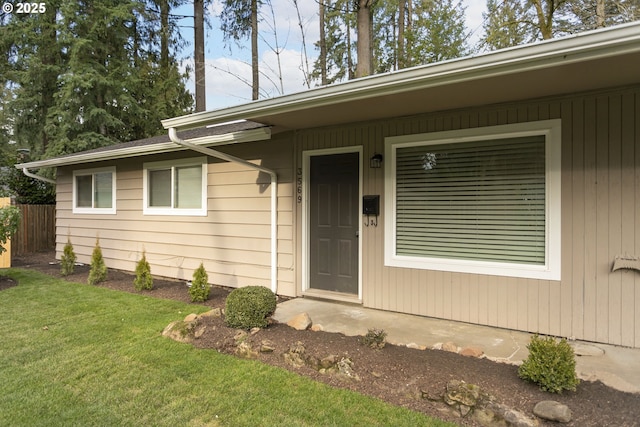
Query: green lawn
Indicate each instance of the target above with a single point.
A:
(76, 355)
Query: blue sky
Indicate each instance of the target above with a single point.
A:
(223, 64)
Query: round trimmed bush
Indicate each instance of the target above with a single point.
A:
(551, 364)
(249, 307)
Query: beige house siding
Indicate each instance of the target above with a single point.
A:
(233, 240)
(600, 219)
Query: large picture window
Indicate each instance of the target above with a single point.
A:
(94, 191)
(481, 201)
(175, 187)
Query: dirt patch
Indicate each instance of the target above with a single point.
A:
(6, 282)
(398, 375)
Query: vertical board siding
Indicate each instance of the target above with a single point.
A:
(600, 219)
(232, 241)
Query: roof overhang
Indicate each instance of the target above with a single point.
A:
(259, 134)
(588, 61)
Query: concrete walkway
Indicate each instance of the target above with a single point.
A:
(617, 367)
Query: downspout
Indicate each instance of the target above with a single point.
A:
(173, 136)
(38, 177)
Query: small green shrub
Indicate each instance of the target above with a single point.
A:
(249, 307)
(9, 222)
(143, 278)
(68, 259)
(199, 289)
(98, 271)
(375, 338)
(551, 364)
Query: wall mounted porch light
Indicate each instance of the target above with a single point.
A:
(376, 161)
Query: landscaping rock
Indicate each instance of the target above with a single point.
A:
(240, 336)
(300, 322)
(179, 331)
(245, 351)
(552, 411)
(216, 312)
(498, 415)
(459, 392)
(267, 346)
(295, 355)
(416, 346)
(468, 400)
(345, 368)
(329, 361)
(199, 331)
(190, 317)
(472, 352)
(450, 347)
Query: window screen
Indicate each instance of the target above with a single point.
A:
(84, 189)
(103, 196)
(160, 188)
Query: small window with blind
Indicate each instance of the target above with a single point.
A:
(481, 201)
(94, 191)
(176, 187)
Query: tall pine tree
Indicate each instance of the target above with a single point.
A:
(86, 74)
(239, 20)
(511, 23)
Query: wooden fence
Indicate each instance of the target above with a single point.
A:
(37, 231)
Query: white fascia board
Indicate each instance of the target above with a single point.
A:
(581, 47)
(259, 134)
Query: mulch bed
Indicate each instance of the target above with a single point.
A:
(398, 375)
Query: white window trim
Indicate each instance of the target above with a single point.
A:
(149, 210)
(551, 270)
(92, 210)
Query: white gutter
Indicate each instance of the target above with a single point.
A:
(38, 177)
(251, 135)
(173, 136)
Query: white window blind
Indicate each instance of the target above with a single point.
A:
(188, 187)
(478, 200)
(103, 196)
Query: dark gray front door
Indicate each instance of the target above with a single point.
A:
(333, 222)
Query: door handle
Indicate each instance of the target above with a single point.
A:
(357, 234)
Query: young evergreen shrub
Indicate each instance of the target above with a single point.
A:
(143, 278)
(551, 364)
(375, 338)
(199, 289)
(68, 259)
(249, 307)
(98, 271)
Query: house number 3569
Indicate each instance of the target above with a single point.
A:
(299, 185)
